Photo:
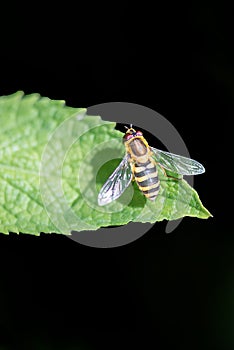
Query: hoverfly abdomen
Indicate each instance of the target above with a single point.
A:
(146, 176)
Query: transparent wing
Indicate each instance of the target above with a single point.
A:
(178, 164)
(116, 183)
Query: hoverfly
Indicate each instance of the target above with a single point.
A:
(138, 164)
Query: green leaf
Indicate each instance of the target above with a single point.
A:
(54, 160)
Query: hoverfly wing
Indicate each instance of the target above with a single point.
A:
(178, 164)
(117, 183)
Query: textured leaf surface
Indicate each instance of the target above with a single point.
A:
(54, 160)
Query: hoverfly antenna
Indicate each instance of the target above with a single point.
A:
(128, 128)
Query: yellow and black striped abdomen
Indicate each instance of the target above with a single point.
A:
(146, 176)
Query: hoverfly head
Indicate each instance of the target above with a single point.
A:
(130, 133)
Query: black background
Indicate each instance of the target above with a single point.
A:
(175, 289)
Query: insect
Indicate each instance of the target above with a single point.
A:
(140, 164)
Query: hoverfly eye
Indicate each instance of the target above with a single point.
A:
(139, 133)
(127, 137)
